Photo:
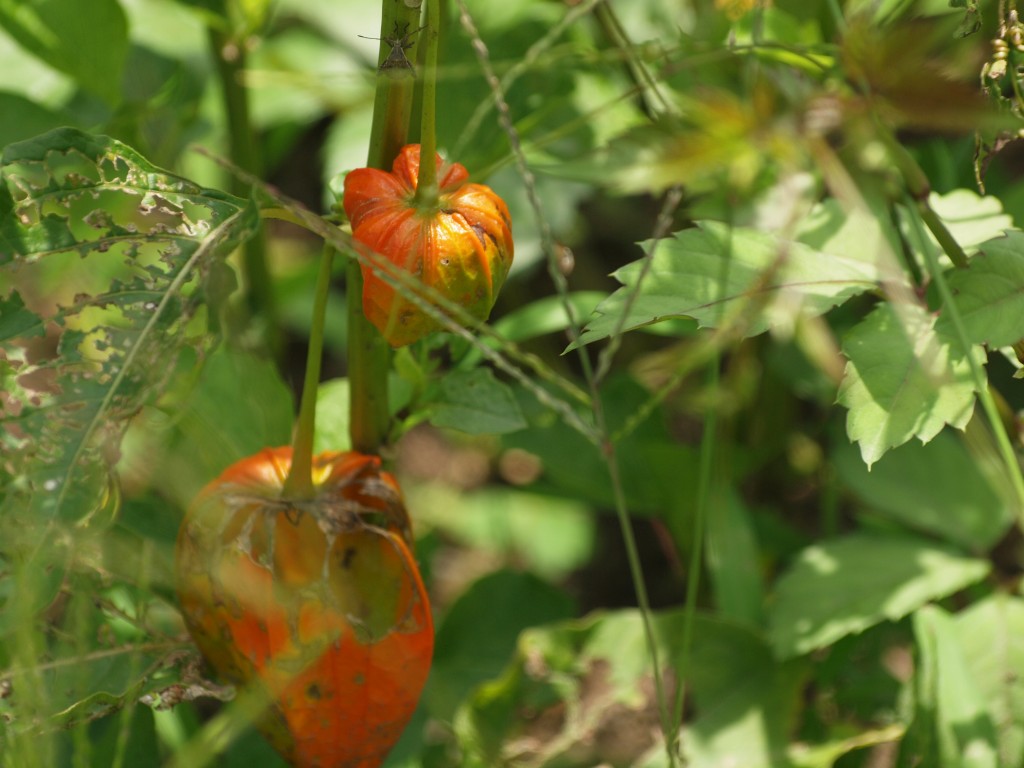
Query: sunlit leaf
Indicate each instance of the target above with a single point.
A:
(951, 723)
(904, 378)
(991, 633)
(717, 275)
(971, 218)
(842, 587)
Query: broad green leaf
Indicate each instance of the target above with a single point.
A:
(861, 234)
(733, 560)
(846, 585)
(112, 254)
(131, 738)
(951, 727)
(938, 488)
(991, 635)
(989, 293)
(21, 118)
(718, 276)
(88, 43)
(470, 651)
(214, 427)
(658, 474)
(589, 684)
(476, 403)
(903, 379)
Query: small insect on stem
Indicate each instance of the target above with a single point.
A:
(396, 61)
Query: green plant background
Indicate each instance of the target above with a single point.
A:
(757, 347)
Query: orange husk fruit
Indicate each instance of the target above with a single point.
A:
(462, 248)
(317, 602)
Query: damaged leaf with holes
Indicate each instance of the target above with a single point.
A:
(105, 263)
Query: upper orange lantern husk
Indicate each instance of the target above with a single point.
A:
(462, 248)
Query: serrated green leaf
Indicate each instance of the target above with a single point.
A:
(846, 585)
(989, 293)
(903, 379)
(717, 275)
(938, 488)
(90, 48)
(476, 403)
(123, 248)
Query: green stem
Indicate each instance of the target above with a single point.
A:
(299, 483)
(942, 234)
(369, 356)
(708, 449)
(981, 385)
(369, 360)
(229, 57)
(426, 187)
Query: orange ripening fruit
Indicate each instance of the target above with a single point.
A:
(462, 248)
(317, 601)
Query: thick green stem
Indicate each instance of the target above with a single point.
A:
(369, 360)
(426, 187)
(299, 483)
(229, 57)
(369, 356)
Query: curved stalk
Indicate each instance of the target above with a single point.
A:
(299, 483)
